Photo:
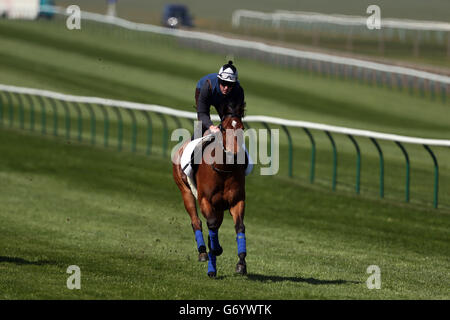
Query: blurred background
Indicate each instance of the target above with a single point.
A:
(429, 47)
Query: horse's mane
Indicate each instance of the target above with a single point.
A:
(237, 110)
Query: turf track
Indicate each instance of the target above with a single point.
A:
(119, 216)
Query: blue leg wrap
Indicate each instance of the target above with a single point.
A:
(214, 236)
(211, 263)
(241, 244)
(199, 239)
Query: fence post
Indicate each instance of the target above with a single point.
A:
(177, 122)
(149, 131)
(93, 122)
(119, 128)
(11, 108)
(443, 93)
(133, 130)
(268, 133)
(1, 110)
(67, 116)
(313, 155)
(55, 117)
(290, 150)
(436, 176)
(399, 79)
(43, 115)
(407, 170)
(432, 89)
(165, 133)
(358, 164)
(410, 84)
(30, 102)
(21, 112)
(334, 181)
(79, 120)
(105, 125)
(380, 153)
(422, 87)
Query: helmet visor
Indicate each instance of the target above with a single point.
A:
(227, 75)
(226, 83)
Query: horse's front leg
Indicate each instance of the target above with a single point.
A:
(237, 211)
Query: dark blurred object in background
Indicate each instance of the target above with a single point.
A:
(27, 9)
(45, 11)
(176, 15)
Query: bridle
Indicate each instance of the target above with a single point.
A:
(227, 153)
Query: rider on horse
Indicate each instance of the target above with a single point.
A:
(223, 91)
(220, 186)
(220, 90)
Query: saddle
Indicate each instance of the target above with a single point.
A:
(189, 166)
(202, 145)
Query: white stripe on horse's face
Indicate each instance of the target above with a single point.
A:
(234, 123)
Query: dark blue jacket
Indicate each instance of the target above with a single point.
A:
(210, 95)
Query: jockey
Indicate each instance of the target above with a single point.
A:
(220, 90)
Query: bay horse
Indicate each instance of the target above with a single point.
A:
(220, 187)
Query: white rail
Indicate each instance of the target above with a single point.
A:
(193, 115)
(259, 46)
(346, 20)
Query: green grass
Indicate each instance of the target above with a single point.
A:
(120, 218)
(119, 215)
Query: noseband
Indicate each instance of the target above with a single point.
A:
(227, 153)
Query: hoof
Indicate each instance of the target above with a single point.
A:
(202, 257)
(241, 269)
(212, 274)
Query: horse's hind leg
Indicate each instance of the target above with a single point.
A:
(237, 211)
(191, 208)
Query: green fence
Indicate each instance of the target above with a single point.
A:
(146, 129)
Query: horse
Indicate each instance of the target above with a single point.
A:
(220, 187)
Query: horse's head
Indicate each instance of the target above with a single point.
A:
(233, 129)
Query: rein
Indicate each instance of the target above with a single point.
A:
(219, 170)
